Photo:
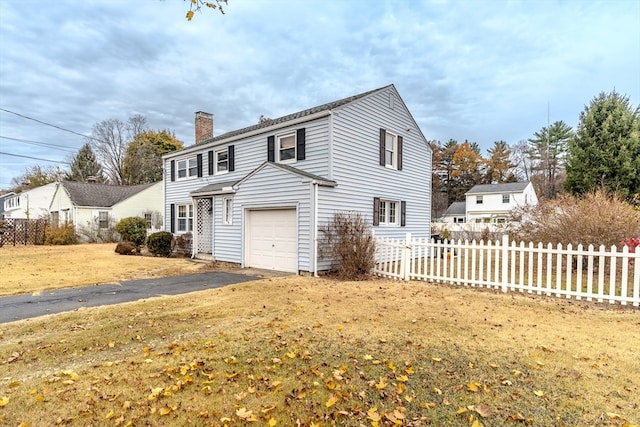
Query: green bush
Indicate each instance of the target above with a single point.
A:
(133, 229)
(64, 235)
(160, 243)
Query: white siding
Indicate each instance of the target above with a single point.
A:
(270, 187)
(359, 175)
(34, 203)
(148, 200)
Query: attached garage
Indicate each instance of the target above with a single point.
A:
(272, 239)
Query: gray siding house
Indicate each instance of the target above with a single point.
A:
(258, 196)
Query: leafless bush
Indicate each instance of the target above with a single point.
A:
(348, 242)
(92, 232)
(595, 218)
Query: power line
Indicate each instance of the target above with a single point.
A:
(42, 144)
(34, 158)
(48, 124)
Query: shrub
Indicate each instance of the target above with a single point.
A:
(349, 243)
(64, 235)
(597, 218)
(126, 248)
(132, 229)
(160, 243)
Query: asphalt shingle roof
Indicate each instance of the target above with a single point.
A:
(509, 187)
(299, 114)
(457, 208)
(88, 194)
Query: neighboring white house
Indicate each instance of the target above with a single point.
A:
(98, 205)
(259, 196)
(31, 204)
(490, 203)
(2, 199)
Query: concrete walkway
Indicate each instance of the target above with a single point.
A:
(18, 307)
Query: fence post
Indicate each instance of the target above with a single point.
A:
(406, 257)
(504, 248)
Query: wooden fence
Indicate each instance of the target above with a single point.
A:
(20, 231)
(600, 274)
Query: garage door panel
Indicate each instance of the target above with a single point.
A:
(272, 239)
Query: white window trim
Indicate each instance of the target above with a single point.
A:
(385, 208)
(479, 200)
(188, 170)
(506, 196)
(215, 161)
(394, 155)
(100, 221)
(188, 218)
(279, 138)
(227, 214)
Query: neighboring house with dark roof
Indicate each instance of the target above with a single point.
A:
(260, 196)
(100, 206)
(491, 203)
(455, 213)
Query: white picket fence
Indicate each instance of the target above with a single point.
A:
(600, 274)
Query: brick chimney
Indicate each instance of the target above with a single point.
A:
(204, 126)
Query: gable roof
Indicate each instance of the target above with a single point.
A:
(510, 187)
(456, 208)
(316, 178)
(102, 195)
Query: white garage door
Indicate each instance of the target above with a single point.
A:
(272, 240)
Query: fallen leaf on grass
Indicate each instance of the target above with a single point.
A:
(539, 393)
(483, 410)
(4, 401)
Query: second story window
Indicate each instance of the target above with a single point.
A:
(187, 168)
(222, 161)
(390, 150)
(506, 198)
(287, 147)
(479, 200)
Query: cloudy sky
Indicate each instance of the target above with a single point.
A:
(476, 70)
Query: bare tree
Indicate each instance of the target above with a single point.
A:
(521, 158)
(110, 139)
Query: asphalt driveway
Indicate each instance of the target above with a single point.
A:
(18, 307)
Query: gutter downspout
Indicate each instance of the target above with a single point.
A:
(330, 148)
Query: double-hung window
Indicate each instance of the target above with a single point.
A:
(103, 220)
(388, 214)
(185, 218)
(505, 198)
(479, 200)
(187, 168)
(286, 147)
(222, 161)
(391, 151)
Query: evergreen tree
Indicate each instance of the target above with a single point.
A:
(605, 151)
(548, 150)
(499, 165)
(85, 166)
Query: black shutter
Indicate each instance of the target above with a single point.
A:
(173, 170)
(300, 144)
(210, 159)
(383, 134)
(172, 218)
(271, 148)
(199, 161)
(399, 153)
(376, 211)
(403, 214)
(231, 157)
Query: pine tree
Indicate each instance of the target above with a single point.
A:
(606, 149)
(85, 166)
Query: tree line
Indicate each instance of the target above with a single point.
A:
(602, 152)
(116, 152)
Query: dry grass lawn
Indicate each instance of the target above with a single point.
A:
(304, 351)
(27, 269)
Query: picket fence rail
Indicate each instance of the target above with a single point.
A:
(600, 274)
